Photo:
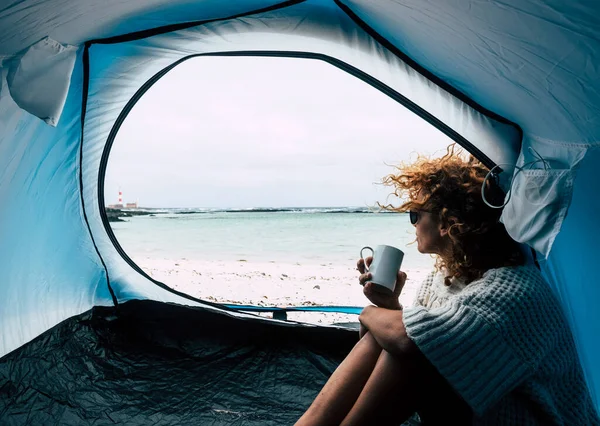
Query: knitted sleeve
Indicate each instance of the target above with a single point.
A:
(491, 337)
(469, 353)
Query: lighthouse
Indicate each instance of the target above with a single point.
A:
(119, 204)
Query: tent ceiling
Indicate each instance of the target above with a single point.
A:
(513, 57)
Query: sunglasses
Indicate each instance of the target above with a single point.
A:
(415, 215)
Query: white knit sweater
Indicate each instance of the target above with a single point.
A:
(503, 343)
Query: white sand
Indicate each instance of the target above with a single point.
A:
(272, 284)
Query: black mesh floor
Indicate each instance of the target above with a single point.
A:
(152, 363)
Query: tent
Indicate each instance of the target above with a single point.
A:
(515, 82)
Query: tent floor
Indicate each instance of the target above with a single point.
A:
(164, 364)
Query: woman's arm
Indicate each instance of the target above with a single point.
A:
(387, 327)
(388, 330)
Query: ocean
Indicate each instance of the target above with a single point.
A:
(280, 235)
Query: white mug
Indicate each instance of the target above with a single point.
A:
(384, 267)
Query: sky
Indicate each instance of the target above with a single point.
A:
(263, 132)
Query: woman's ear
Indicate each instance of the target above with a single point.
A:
(443, 230)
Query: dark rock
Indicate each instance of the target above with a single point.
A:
(116, 215)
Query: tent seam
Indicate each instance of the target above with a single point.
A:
(84, 95)
(137, 35)
(424, 71)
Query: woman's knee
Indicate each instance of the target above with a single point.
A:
(430, 393)
(438, 402)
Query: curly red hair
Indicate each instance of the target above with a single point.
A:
(450, 188)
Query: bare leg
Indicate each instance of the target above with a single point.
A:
(402, 385)
(344, 386)
(372, 387)
(389, 395)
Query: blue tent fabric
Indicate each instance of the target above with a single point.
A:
(499, 77)
(570, 264)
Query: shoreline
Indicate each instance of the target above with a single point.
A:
(115, 214)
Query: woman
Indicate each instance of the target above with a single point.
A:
(486, 341)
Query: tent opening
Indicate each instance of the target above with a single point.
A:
(255, 181)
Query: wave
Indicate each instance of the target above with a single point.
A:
(290, 210)
(305, 210)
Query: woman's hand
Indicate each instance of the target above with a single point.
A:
(377, 297)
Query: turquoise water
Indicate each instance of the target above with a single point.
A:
(305, 236)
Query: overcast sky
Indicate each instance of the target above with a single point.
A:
(262, 132)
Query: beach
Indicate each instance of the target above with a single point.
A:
(273, 284)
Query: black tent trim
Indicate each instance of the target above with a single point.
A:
(411, 106)
(86, 72)
(138, 35)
